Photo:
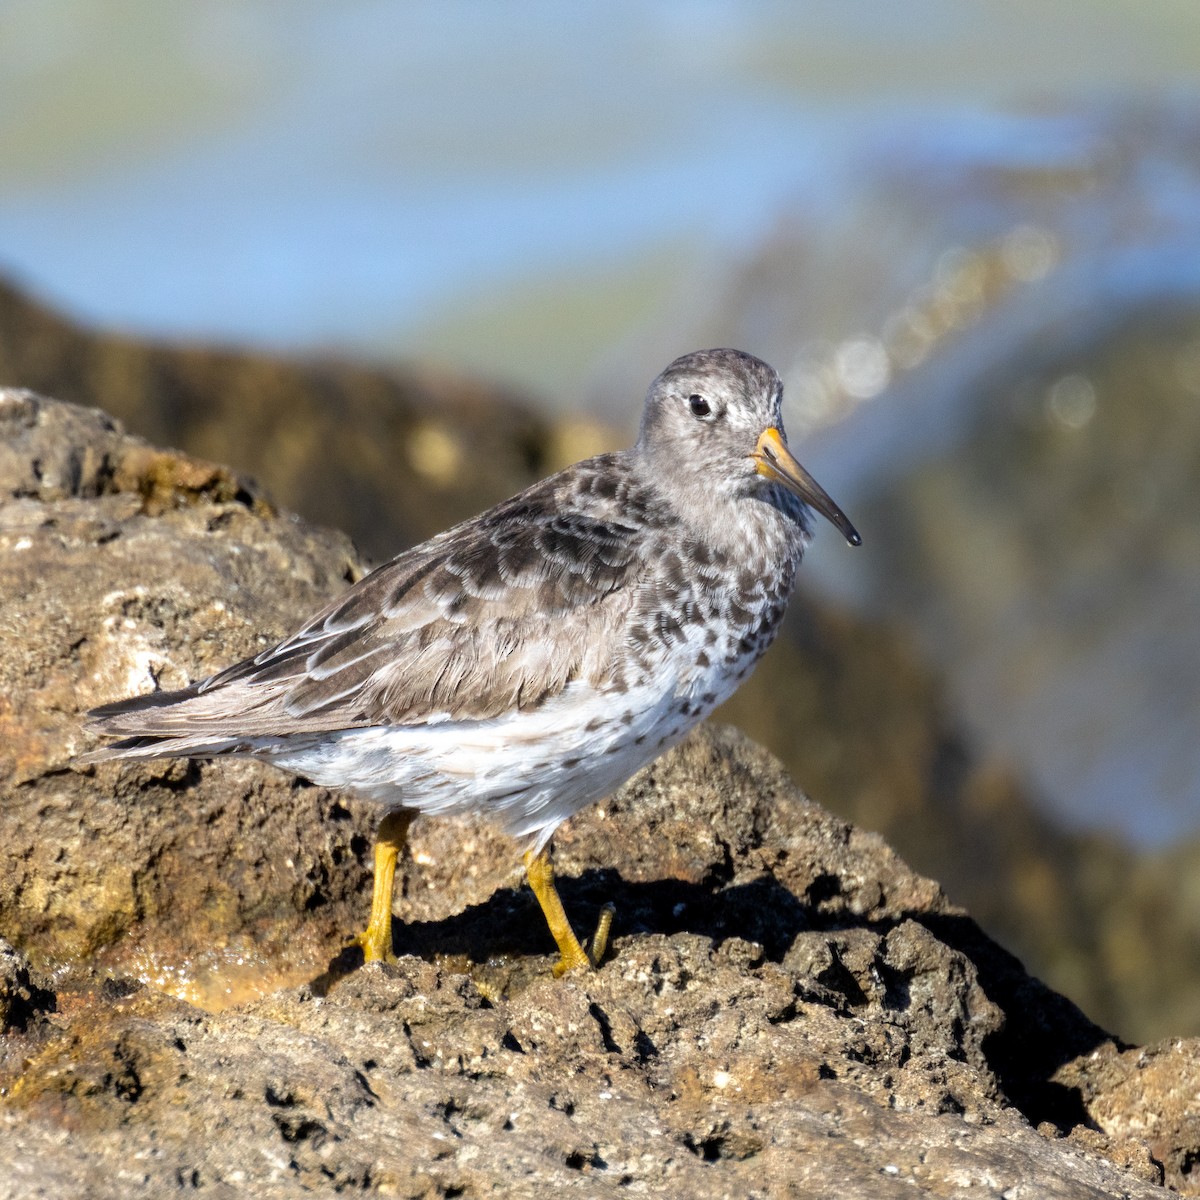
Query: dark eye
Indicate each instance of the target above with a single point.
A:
(700, 406)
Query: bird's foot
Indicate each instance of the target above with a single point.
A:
(572, 954)
(375, 942)
(591, 953)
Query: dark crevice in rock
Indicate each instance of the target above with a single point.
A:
(605, 1026)
(25, 995)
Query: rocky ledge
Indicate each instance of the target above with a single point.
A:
(787, 1009)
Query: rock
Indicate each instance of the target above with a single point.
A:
(122, 566)
(680, 1066)
(1146, 1097)
(861, 721)
(787, 1008)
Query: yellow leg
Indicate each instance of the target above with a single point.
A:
(540, 873)
(376, 939)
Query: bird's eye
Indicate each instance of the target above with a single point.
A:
(700, 407)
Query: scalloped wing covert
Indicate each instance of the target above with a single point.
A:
(434, 634)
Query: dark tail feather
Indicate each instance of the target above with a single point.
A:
(108, 718)
(139, 734)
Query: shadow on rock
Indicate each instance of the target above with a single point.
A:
(850, 965)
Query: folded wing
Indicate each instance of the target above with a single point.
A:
(497, 615)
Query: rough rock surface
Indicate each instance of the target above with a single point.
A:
(1147, 1094)
(121, 565)
(788, 1009)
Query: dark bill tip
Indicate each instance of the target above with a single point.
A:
(774, 460)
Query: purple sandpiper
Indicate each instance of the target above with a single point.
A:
(528, 661)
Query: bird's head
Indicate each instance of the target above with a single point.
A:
(713, 417)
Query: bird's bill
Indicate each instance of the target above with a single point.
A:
(774, 461)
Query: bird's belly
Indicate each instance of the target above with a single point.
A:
(526, 771)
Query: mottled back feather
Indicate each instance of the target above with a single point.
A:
(499, 613)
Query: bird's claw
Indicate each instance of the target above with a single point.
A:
(592, 952)
(375, 947)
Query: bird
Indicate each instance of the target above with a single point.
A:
(527, 662)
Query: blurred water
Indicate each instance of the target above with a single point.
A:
(409, 177)
(934, 217)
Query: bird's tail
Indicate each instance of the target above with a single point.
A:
(179, 724)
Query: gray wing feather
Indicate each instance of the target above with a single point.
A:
(496, 615)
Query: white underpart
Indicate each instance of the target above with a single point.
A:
(526, 771)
